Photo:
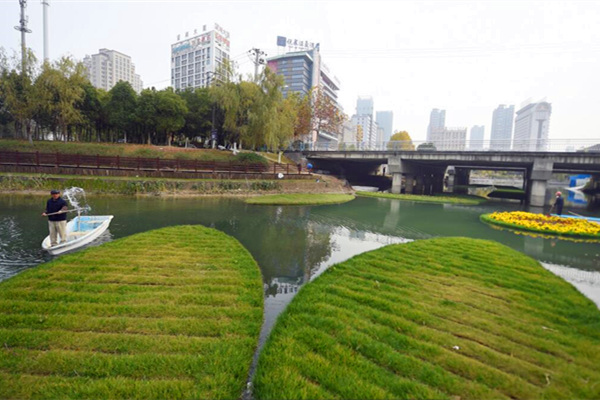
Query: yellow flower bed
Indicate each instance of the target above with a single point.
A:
(544, 223)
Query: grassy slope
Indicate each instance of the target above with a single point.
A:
(449, 199)
(384, 325)
(131, 185)
(110, 149)
(300, 199)
(486, 218)
(170, 313)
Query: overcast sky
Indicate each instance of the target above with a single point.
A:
(465, 57)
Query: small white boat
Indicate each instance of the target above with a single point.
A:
(81, 230)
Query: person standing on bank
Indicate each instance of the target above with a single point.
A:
(56, 211)
(559, 202)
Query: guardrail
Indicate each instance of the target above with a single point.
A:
(543, 145)
(37, 159)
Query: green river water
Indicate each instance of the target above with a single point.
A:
(294, 244)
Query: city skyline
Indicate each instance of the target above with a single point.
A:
(554, 56)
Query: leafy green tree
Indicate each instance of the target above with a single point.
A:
(121, 108)
(16, 91)
(198, 119)
(59, 90)
(147, 114)
(171, 111)
(400, 140)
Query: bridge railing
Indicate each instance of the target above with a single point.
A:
(543, 145)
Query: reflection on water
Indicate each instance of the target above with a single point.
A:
(291, 244)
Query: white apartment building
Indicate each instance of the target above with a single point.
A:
(108, 67)
(532, 126)
(449, 139)
(195, 57)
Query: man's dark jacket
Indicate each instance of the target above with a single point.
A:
(53, 206)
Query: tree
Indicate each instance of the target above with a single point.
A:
(121, 107)
(170, 113)
(400, 140)
(147, 114)
(301, 104)
(327, 117)
(198, 119)
(59, 91)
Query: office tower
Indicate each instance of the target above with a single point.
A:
(437, 121)
(385, 120)
(532, 125)
(199, 58)
(502, 125)
(476, 138)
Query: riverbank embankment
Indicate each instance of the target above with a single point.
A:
(42, 183)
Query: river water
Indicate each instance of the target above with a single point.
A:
(294, 244)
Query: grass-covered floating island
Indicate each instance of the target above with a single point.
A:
(443, 318)
(300, 199)
(442, 199)
(540, 223)
(167, 314)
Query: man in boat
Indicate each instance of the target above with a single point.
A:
(559, 202)
(56, 211)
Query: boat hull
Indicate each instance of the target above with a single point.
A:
(81, 230)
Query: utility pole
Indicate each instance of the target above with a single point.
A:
(258, 60)
(23, 29)
(45, 5)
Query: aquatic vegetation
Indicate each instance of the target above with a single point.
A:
(444, 199)
(443, 318)
(544, 224)
(298, 199)
(167, 314)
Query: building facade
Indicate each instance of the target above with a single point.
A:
(106, 68)
(385, 120)
(302, 72)
(198, 58)
(449, 139)
(437, 122)
(476, 139)
(502, 126)
(532, 127)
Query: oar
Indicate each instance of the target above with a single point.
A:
(60, 212)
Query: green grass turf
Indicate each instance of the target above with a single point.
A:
(113, 149)
(300, 199)
(166, 314)
(488, 220)
(384, 325)
(448, 199)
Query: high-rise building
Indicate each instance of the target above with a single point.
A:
(198, 55)
(532, 126)
(364, 105)
(385, 119)
(302, 72)
(502, 125)
(437, 121)
(364, 119)
(108, 67)
(449, 139)
(476, 138)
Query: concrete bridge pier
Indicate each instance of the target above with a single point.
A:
(541, 172)
(401, 169)
(409, 183)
